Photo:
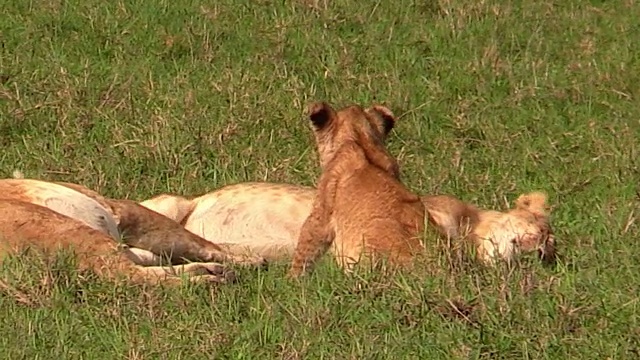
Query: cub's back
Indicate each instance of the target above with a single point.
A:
(375, 212)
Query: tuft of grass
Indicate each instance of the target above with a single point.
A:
(495, 98)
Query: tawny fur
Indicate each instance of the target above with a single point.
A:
(451, 216)
(361, 209)
(26, 225)
(140, 228)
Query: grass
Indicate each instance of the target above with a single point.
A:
(495, 98)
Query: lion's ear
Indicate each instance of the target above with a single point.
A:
(535, 202)
(388, 119)
(321, 114)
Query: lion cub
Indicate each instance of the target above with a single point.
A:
(361, 208)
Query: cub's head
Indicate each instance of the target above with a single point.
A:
(367, 128)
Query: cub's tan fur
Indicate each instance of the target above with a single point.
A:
(361, 209)
(265, 219)
(139, 227)
(26, 225)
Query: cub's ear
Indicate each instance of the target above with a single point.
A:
(388, 119)
(320, 114)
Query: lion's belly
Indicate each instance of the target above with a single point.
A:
(260, 224)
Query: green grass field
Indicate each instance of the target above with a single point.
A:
(495, 98)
